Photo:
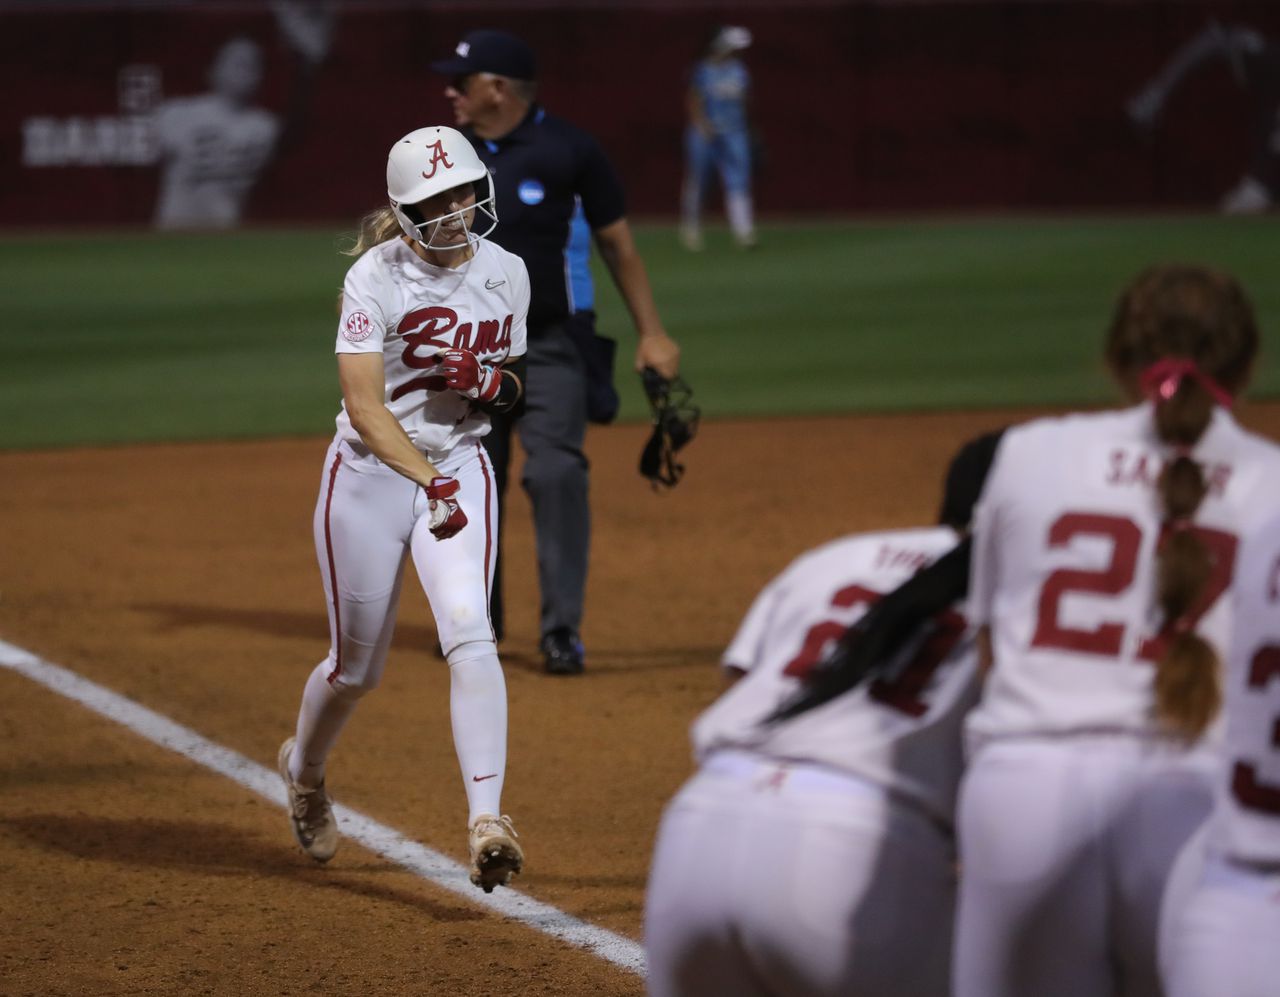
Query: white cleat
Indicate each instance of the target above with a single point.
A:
(310, 812)
(495, 855)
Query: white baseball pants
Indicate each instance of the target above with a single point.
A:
(784, 879)
(1220, 935)
(368, 521)
(1065, 848)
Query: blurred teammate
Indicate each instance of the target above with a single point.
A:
(1102, 546)
(815, 856)
(430, 342)
(718, 137)
(1255, 63)
(1221, 936)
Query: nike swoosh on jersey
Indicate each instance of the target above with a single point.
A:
(489, 285)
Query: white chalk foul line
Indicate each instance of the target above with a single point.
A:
(385, 841)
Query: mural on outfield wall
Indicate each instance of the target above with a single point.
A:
(207, 115)
(210, 148)
(1254, 63)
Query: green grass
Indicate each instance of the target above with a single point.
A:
(119, 338)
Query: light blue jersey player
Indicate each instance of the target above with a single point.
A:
(718, 135)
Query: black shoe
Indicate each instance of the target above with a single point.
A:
(563, 653)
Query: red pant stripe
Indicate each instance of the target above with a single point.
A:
(333, 573)
(488, 529)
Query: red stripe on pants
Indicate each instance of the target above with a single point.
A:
(488, 532)
(333, 574)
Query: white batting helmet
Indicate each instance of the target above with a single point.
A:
(430, 161)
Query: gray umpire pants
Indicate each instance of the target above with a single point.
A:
(551, 428)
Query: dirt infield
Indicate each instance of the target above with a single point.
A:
(184, 577)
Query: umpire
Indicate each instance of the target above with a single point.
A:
(543, 169)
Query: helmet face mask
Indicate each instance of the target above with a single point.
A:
(475, 216)
(431, 162)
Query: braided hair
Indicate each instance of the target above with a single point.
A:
(1185, 337)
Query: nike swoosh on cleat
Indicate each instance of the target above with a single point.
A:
(489, 285)
(482, 778)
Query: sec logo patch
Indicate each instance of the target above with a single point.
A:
(531, 192)
(357, 328)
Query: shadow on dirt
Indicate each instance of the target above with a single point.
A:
(613, 662)
(190, 847)
(276, 622)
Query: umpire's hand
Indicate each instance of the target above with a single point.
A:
(658, 350)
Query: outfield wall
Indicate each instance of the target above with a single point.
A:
(869, 106)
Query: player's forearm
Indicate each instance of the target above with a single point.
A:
(386, 438)
(632, 279)
(654, 348)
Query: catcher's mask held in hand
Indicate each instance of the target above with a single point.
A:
(675, 423)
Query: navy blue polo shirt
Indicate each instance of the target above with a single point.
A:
(542, 171)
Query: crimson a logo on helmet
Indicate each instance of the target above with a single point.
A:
(438, 158)
(357, 328)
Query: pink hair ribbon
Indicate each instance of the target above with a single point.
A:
(1162, 379)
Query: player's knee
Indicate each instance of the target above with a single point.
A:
(352, 687)
(353, 678)
(463, 623)
(471, 650)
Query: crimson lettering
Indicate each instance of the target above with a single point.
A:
(493, 337)
(1222, 558)
(487, 336)
(904, 693)
(1107, 637)
(1127, 469)
(1246, 786)
(888, 557)
(423, 331)
(1133, 469)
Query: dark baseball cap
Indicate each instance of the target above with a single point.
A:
(490, 52)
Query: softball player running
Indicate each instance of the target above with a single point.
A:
(790, 863)
(1102, 546)
(431, 339)
(1222, 910)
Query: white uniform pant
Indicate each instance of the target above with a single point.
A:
(778, 879)
(1065, 847)
(368, 520)
(1220, 935)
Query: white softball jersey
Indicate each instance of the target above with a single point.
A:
(397, 304)
(1064, 565)
(903, 737)
(1247, 819)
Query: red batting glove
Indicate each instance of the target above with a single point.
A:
(466, 375)
(447, 519)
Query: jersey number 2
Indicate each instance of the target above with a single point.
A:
(904, 693)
